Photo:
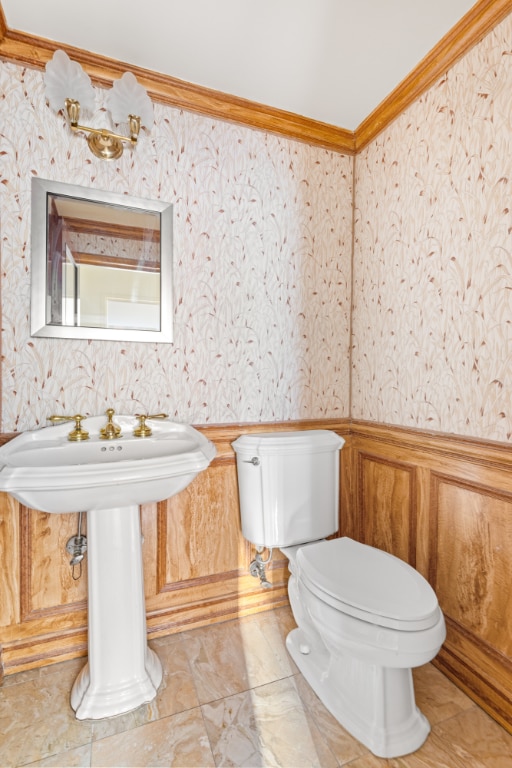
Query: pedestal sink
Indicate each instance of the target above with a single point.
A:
(108, 479)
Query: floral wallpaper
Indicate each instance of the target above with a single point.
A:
(432, 314)
(262, 271)
(262, 265)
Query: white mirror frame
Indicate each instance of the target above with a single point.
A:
(41, 189)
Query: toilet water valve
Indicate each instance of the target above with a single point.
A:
(257, 567)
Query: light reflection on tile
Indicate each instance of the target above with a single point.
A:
(257, 710)
(233, 657)
(265, 726)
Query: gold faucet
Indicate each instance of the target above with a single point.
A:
(76, 434)
(110, 431)
(143, 430)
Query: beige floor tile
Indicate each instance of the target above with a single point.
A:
(285, 624)
(232, 657)
(176, 693)
(179, 740)
(269, 638)
(74, 758)
(284, 619)
(280, 722)
(266, 726)
(474, 733)
(368, 761)
(71, 668)
(433, 754)
(443, 749)
(21, 677)
(436, 696)
(36, 719)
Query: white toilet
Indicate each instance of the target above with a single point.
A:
(364, 617)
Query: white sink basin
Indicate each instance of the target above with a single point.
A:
(108, 479)
(45, 471)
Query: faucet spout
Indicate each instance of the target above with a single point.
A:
(110, 431)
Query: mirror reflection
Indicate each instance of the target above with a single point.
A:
(101, 264)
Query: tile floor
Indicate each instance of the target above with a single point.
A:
(231, 696)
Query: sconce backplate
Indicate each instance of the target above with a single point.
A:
(105, 146)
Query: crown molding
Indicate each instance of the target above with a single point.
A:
(35, 52)
(3, 23)
(477, 23)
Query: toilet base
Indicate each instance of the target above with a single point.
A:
(375, 704)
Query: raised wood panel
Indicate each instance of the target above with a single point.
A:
(9, 561)
(199, 531)
(47, 583)
(471, 560)
(148, 520)
(387, 505)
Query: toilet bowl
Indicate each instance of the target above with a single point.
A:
(364, 617)
(356, 643)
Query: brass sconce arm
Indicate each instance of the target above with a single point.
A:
(102, 142)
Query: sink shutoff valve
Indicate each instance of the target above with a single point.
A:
(76, 546)
(257, 567)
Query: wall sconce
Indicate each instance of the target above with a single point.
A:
(67, 85)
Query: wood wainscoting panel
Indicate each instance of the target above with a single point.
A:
(47, 583)
(9, 562)
(201, 569)
(49, 621)
(387, 508)
(471, 559)
(453, 495)
(199, 534)
(471, 571)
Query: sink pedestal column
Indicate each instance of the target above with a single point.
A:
(122, 672)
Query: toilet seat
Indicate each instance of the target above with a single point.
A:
(368, 583)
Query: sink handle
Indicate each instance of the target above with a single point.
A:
(143, 430)
(78, 433)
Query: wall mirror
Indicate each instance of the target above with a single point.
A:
(101, 264)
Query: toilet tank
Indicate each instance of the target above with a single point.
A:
(288, 485)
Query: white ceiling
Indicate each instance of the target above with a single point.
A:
(330, 60)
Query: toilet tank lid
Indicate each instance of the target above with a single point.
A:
(370, 580)
(288, 442)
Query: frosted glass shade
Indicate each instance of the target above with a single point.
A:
(65, 79)
(128, 97)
